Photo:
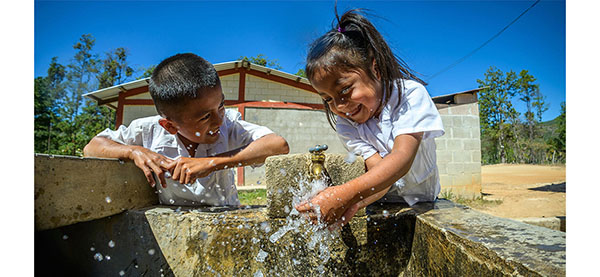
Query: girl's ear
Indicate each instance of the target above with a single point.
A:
(168, 125)
(375, 70)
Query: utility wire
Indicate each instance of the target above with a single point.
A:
(484, 44)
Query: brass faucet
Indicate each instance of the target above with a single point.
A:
(317, 169)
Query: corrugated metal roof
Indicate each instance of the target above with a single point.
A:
(111, 92)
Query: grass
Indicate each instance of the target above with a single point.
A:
(474, 202)
(253, 197)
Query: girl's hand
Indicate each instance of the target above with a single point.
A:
(187, 170)
(333, 202)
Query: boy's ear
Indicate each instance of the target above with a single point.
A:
(168, 125)
(375, 70)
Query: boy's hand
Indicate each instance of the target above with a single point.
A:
(187, 170)
(149, 161)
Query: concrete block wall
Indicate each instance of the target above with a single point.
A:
(259, 89)
(301, 128)
(230, 84)
(459, 150)
(131, 113)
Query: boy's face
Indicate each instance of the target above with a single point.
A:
(199, 120)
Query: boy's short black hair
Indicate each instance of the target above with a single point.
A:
(180, 78)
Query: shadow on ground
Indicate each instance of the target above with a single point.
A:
(560, 187)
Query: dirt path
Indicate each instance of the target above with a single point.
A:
(525, 190)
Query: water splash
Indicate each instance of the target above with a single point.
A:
(98, 257)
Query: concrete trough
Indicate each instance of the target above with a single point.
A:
(440, 239)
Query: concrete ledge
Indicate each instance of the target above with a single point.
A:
(554, 223)
(72, 189)
(428, 239)
(453, 238)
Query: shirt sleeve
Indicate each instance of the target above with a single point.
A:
(351, 140)
(416, 113)
(130, 135)
(241, 132)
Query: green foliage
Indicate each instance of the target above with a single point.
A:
(115, 69)
(301, 73)
(504, 137)
(253, 197)
(64, 122)
(147, 72)
(261, 59)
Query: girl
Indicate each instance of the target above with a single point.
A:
(383, 114)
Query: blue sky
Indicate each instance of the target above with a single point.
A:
(428, 35)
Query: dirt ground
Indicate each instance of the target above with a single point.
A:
(525, 190)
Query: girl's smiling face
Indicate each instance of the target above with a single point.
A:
(351, 94)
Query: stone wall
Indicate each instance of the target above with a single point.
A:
(459, 150)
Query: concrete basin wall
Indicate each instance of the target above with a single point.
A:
(70, 189)
(439, 238)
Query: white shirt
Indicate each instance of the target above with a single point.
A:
(415, 113)
(218, 187)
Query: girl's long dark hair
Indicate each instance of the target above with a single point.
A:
(355, 43)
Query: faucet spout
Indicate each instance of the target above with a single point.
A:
(317, 165)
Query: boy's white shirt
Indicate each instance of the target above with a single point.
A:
(415, 113)
(216, 189)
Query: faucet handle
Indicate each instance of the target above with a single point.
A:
(318, 148)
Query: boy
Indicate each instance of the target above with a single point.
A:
(193, 140)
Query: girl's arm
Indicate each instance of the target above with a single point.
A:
(346, 199)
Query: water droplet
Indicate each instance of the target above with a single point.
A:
(258, 182)
(197, 134)
(261, 256)
(121, 162)
(171, 201)
(107, 258)
(184, 190)
(65, 237)
(386, 213)
(167, 174)
(151, 252)
(350, 158)
(121, 273)
(108, 200)
(98, 257)
(92, 249)
(111, 244)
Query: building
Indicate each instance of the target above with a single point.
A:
(288, 105)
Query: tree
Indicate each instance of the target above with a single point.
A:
(115, 69)
(260, 59)
(527, 90)
(301, 73)
(558, 143)
(147, 72)
(496, 110)
(47, 94)
(79, 80)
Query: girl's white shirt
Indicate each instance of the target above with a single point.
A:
(415, 113)
(218, 188)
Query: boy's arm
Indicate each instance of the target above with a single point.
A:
(188, 169)
(147, 160)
